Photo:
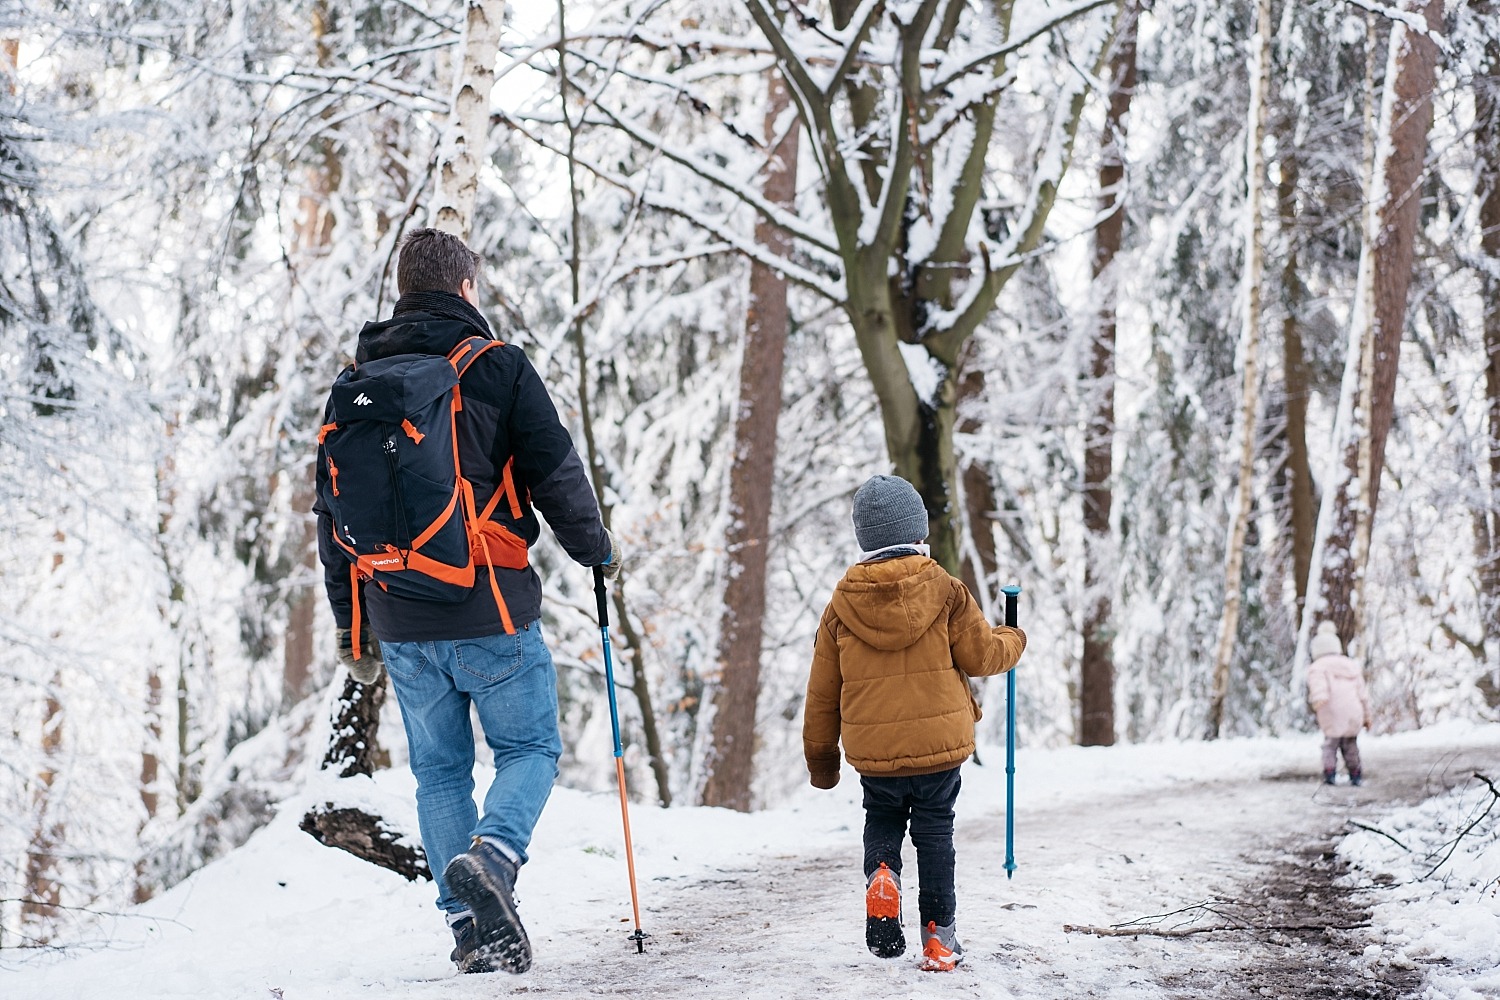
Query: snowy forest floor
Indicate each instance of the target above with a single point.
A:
(1221, 854)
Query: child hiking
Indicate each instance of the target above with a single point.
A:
(895, 648)
(1337, 694)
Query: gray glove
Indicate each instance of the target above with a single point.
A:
(611, 566)
(369, 667)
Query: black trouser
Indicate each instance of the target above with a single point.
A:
(927, 802)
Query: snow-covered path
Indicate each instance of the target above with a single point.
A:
(789, 924)
(770, 904)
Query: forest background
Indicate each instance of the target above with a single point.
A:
(1181, 315)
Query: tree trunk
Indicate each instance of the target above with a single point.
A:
(353, 749)
(1096, 692)
(43, 892)
(982, 562)
(730, 764)
(1234, 555)
(878, 168)
(150, 774)
(1367, 397)
(353, 746)
(1301, 498)
(367, 838)
(1487, 147)
(466, 135)
(312, 236)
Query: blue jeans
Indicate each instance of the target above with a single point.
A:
(510, 680)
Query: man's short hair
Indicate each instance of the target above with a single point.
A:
(434, 261)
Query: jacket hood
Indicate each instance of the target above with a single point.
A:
(890, 604)
(423, 323)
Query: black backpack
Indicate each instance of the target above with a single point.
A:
(403, 512)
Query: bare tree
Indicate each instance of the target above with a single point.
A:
(312, 237)
(879, 131)
(1096, 692)
(1487, 146)
(1297, 471)
(730, 762)
(910, 250)
(1392, 216)
(1234, 552)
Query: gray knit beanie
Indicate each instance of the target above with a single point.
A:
(888, 511)
(1326, 641)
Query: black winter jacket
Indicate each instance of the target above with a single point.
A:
(506, 412)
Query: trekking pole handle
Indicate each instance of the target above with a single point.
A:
(1012, 598)
(599, 596)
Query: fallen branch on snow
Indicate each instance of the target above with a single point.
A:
(1453, 844)
(1362, 826)
(1145, 926)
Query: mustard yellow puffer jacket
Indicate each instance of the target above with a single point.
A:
(888, 671)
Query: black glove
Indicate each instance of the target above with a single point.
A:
(612, 566)
(369, 667)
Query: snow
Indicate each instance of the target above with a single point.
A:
(1439, 863)
(925, 372)
(767, 904)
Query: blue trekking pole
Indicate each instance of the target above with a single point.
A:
(1012, 595)
(639, 937)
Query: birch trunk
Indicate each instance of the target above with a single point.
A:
(1367, 396)
(1234, 554)
(730, 764)
(466, 136)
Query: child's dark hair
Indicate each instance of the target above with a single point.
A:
(434, 261)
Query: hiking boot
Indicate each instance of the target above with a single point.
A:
(883, 914)
(1355, 778)
(941, 951)
(485, 879)
(466, 947)
(1330, 777)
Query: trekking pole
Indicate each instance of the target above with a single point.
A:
(1012, 595)
(639, 937)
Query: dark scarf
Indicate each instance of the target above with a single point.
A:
(444, 305)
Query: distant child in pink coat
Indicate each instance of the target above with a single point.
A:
(1337, 693)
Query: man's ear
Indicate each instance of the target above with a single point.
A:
(469, 292)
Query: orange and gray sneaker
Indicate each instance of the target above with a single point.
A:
(883, 914)
(941, 951)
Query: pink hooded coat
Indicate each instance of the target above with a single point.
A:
(1337, 693)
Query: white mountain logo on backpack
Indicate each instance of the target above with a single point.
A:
(362, 400)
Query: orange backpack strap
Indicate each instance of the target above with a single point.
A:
(510, 628)
(508, 485)
(468, 351)
(506, 489)
(354, 622)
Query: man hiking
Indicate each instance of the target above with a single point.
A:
(448, 591)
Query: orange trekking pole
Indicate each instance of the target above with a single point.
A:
(639, 936)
